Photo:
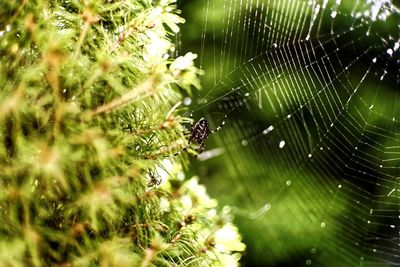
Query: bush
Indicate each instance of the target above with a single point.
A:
(89, 103)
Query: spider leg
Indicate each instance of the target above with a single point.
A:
(191, 120)
(183, 149)
(189, 131)
(219, 127)
(180, 151)
(155, 179)
(200, 149)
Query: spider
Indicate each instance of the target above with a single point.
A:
(155, 179)
(198, 134)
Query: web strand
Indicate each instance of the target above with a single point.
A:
(310, 91)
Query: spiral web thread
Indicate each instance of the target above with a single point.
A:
(324, 75)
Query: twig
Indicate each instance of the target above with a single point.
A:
(14, 16)
(144, 89)
(89, 19)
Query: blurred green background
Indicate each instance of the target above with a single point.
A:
(308, 159)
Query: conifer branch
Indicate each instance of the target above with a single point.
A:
(78, 192)
(146, 88)
(15, 15)
(89, 18)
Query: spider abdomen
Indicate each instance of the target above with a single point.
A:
(198, 134)
(200, 131)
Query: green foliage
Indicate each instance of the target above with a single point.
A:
(88, 124)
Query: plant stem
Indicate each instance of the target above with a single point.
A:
(144, 89)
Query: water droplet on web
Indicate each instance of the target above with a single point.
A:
(288, 116)
(246, 94)
(396, 46)
(389, 51)
(308, 262)
(374, 250)
(339, 186)
(333, 14)
(309, 155)
(323, 224)
(205, 100)
(288, 182)
(313, 250)
(187, 101)
(245, 142)
(281, 144)
(268, 130)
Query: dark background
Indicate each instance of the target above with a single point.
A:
(323, 198)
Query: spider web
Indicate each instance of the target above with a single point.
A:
(310, 154)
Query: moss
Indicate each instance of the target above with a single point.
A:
(89, 121)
